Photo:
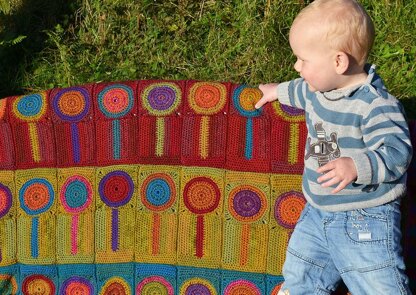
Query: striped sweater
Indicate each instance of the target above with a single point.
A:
(365, 123)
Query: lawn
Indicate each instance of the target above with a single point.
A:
(58, 43)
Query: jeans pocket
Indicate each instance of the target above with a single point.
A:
(368, 226)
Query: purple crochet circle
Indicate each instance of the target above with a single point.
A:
(291, 110)
(71, 104)
(161, 98)
(247, 203)
(116, 189)
(197, 289)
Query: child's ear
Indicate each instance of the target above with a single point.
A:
(342, 62)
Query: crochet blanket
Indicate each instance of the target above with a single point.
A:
(150, 187)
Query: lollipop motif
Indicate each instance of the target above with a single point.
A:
(242, 287)
(158, 194)
(244, 99)
(75, 196)
(206, 99)
(116, 190)
(154, 285)
(247, 204)
(161, 99)
(287, 209)
(30, 109)
(38, 284)
(76, 286)
(116, 101)
(197, 286)
(201, 196)
(5, 200)
(36, 197)
(72, 105)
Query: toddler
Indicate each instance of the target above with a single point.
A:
(356, 156)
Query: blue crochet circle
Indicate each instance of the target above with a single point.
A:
(30, 105)
(237, 104)
(76, 194)
(158, 192)
(116, 101)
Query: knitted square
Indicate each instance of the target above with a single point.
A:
(115, 279)
(77, 279)
(242, 283)
(7, 155)
(156, 279)
(10, 279)
(38, 277)
(192, 280)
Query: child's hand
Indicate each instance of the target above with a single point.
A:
(269, 94)
(341, 171)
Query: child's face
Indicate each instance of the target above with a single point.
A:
(315, 59)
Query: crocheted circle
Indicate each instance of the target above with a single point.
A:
(38, 284)
(76, 286)
(116, 188)
(207, 98)
(76, 194)
(247, 203)
(276, 289)
(288, 207)
(8, 284)
(116, 100)
(154, 285)
(242, 287)
(201, 195)
(161, 99)
(158, 192)
(71, 104)
(30, 107)
(289, 113)
(115, 285)
(244, 99)
(197, 286)
(5, 200)
(36, 196)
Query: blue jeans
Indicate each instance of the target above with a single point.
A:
(361, 247)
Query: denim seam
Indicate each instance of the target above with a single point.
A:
(390, 250)
(306, 259)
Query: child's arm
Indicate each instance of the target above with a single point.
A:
(269, 94)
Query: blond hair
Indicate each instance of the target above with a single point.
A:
(347, 26)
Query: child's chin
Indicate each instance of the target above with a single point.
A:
(311, 88)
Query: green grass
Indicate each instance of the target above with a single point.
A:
(238, 41)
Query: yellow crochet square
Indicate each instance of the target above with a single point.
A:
(247, 203)
(115, 218)
(75, 221)
(200, 217)
(157, 215)
(7, 219)
(36, 219)
(287, 202)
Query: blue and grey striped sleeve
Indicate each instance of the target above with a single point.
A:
(386, 135)
(293, 93)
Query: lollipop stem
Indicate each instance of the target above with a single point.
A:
(199, 236)
(34, 238)
(114, 230)
(74, 234)
(249, 139)
(75, 142)
(116, 140)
